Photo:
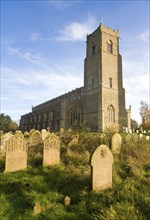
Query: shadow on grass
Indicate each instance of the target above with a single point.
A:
(46, 186)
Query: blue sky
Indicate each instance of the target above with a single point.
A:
(43, 49)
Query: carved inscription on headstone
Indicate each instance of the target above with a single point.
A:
(101, 164)
(5, 138)
(116, 143)
(16, 154)
(51, 150)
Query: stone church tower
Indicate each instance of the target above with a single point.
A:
(104, 95)
(100, 103)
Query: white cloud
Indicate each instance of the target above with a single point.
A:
(61, 5)
(34, 36)
(34, 58)
(145, 36)
(75, 31)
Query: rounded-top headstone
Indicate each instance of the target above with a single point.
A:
(116, 142)
(128, 138)
(101, 163)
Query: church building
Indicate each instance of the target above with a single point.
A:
(98, 105)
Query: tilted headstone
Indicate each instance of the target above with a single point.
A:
(75, 139)
(116, 142)
(51, 150)
(147, 138)
(130, 131)
(101, 166)
(16, 154)
(35, 139)
(4, 138)
(44, 134)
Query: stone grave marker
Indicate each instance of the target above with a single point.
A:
(101, 167)
(67, 201)
(31, 131)
(128, 138)
(19, 134)
(127, 130)
(69, 130)
(51, 150)
(135, 137)
(35, 139)
(116, 142)
(75, 139)
(16, 154)
(140, 135)
(44, 134)
(61, 131)
(4, 138)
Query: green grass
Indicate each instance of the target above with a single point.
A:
(129, 197)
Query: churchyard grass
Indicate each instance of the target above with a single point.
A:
(128, 199)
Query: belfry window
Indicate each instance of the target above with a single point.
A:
(111, 114)
(110, 82)
(109, 46)
(93, 48)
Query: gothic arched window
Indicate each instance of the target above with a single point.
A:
(109, 46)
(75, 116)
(111, 114)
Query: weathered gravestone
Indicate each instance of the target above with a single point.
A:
(74, 140)
(4, 138)
(35, 139)
(116, 142)
(135, 137)
(16, 154)
(101, 166)
(51, 150)
(128, 138)
(19, 134)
